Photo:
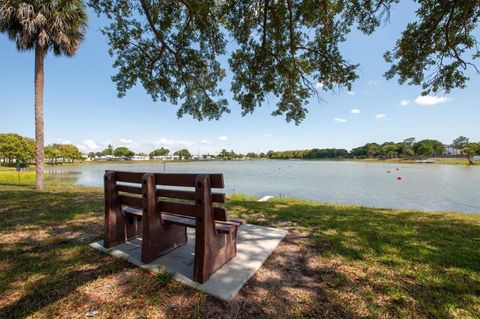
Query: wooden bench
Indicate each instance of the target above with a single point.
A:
(144, 207)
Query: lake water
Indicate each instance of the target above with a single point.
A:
(423, 186)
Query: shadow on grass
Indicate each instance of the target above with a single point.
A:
(408, 263)
(50, 271)
(39, 264)
(337, 262)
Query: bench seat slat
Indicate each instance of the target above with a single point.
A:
(221, 227)
(133, 211)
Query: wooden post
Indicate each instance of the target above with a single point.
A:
(114, 220)
(212, 250)
(158, 238)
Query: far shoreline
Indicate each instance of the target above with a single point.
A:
(435, 161)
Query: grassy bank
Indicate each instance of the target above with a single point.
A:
(337, 262)
(21, 177)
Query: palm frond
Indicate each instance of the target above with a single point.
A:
(58, 26)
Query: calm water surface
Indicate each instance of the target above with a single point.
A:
(423, 186)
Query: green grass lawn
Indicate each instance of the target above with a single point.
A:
(337, 262)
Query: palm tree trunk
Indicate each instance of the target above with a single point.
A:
(39, 136)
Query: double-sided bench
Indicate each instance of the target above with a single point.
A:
(145, 205)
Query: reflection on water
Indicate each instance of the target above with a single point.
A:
(69, 177)
(423, 186)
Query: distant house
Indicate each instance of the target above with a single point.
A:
(85, 157)
(140, 157)
(450, 150)
(166, 158)
(107, 158)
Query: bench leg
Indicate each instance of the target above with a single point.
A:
(158, 238)
(115, 226)
(216, 253)
(212, 249)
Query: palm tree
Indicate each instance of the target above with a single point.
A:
(43, 25)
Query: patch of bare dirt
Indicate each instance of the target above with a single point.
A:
(289, 285)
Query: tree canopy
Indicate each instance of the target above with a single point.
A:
(290, 49)
(123, 152)
(108, 150)
(159, 152)
(428, 148)
(63, 152)
(14, 147)
(183, 154)
(58, 26)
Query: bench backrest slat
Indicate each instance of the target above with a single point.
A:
(177, 208)
(186, 180)
(127, 194)
(129, 189)
(128, 177)
(131, 201)
(188, 195)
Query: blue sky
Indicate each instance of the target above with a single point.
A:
(81, 105)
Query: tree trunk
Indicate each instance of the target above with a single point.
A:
(470, 159)
(39, 135)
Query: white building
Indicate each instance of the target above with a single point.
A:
(450, 150)
(107, 158)
(141, 158)
(166, 158)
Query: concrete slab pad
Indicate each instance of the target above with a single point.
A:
(254, 245)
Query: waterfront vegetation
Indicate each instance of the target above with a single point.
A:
(337, 262)
(15, 148)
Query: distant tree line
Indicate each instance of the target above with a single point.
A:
(409, 148)
(15, 148)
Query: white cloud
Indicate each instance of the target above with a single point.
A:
(405, 102)
(339, 120)
(267, 135)
(222, 138)
(350, 93)
(62, 141)
(126, 140)
(82, 148)
(148, 145)
(319, 85)
(90, 144)
(431, 100)
(372, 82)
(355, 111)
(205, 141)
(169, 142)
(380, 116)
